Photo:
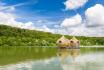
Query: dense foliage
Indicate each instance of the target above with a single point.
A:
(11, 36)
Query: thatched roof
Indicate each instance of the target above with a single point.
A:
(74, 38)
(63, 39)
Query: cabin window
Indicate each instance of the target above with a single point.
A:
(60, 41)
(77, 41)
(71, 41)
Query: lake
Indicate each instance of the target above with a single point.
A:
(61, 59)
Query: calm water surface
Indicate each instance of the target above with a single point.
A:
(66, 59)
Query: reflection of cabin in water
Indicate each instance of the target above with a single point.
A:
(68, 53)
(66, 43)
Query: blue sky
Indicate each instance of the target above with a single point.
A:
(47, 8)
(47, 13)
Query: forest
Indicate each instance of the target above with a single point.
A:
(12, 36)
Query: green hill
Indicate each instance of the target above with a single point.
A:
(12, 36)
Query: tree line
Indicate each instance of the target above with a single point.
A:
(12, 36)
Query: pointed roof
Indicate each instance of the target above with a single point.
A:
(62, 39)
(74, 38)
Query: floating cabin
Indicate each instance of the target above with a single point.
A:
(63, 42)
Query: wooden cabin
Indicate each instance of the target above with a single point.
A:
(66, 43)
(74, 43)
(63, 42)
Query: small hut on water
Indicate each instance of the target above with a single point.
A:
(66, 43)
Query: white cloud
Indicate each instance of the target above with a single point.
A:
(95, 15)
(85, 31)
(93, 25)
(82, 30)
(45, 29)
(28, 25)
(7, 8)
(6, 18)
(9, 19)
(73, 21)
(11, 7)
(74, 4)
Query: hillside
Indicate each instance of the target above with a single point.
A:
(11, 36)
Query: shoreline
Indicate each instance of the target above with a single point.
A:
(96, 46)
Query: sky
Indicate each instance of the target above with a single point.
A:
(67, 17)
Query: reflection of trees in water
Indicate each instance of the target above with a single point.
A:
(68, 53)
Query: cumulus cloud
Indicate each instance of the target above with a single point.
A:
(45, 29)
(74, 4)
(95, 15)
(82, 30)
(70, 26)
(73, 21)
(93, 25)
(9, 19)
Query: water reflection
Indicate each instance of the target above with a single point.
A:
(67, 59)
(65, 54)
